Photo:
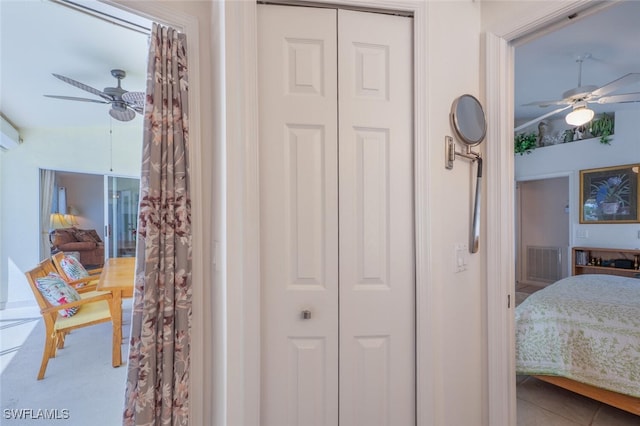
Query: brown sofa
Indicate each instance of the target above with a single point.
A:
(87, 242)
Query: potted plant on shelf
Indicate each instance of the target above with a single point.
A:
(524, 143)
(602, 127)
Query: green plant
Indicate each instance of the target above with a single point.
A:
(602, 127)
(568, 134)
(524, 143)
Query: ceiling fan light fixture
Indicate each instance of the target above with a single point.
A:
(580, 114)
(122, 114)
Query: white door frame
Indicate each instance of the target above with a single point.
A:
(243, 256)
(498, 71)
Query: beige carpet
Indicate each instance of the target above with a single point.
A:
(80, 386)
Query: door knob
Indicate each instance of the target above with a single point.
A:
(306, 314)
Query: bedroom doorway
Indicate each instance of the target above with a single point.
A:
(542, 231)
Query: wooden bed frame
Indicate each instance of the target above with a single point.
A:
(618, 400)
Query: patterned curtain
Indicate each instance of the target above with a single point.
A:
(157, 389)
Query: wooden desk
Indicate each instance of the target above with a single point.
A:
(117, 276)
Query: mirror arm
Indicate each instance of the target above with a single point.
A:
(474, 241)
(451, 153)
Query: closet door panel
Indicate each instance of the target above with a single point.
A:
(376, 239)
(298, 228)
(336, 218)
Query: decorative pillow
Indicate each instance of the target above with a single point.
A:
(58, 292)
(86, 235)
(62, 236)
(73, 268)
(94, 234)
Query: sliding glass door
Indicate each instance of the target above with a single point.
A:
(121, 205)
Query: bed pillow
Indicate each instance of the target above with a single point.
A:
(57, 292)
(73, 268)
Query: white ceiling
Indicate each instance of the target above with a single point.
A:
(40, 37)
(546, 67)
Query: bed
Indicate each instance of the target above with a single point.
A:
(583, 333)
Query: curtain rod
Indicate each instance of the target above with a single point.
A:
(107, 17)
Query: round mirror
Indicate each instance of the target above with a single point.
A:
(468, 120)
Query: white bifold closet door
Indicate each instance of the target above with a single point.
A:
(336, 217)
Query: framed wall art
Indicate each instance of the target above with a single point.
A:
(610, 194)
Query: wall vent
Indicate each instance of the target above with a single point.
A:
(544, 264)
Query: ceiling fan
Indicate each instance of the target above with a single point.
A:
(579, 98)
(124, 104)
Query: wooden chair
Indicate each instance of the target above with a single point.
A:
(87, 283)
(95, 307)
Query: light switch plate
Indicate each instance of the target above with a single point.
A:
(461, 257)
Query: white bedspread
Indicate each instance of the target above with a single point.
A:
(586, 328)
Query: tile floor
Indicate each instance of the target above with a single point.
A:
(543, 404)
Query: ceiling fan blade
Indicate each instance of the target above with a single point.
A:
(73, 98)
(626, 80)
(542, 117)
(134, 98)
(122, 114)
(83, 87)
(543, 104)
(613, 99)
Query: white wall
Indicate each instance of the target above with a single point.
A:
(570, 158)
(459, 337)
(81, 150)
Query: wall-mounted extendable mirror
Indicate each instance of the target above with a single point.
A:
(470, 126)
(468, 121)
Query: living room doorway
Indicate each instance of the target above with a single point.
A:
(106, 204)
